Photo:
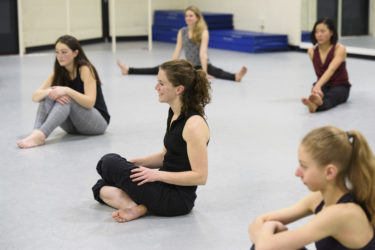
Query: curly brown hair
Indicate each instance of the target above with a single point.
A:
(196, 94)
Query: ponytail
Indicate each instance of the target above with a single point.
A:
(350, 152)
(361, 173)
(196, 94)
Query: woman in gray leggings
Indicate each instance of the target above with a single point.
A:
(71, 97)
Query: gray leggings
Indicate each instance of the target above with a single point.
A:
(71, 117)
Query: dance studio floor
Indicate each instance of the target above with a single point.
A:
(256, 126)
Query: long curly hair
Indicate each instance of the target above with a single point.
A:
(196, 94)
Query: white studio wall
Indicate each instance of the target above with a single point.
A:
(132, 15)
(372, 18)
(43, 21)
(308, 14)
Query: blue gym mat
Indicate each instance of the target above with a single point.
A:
(176, 18)
(222, 34)
(305, 36)
(248, 41)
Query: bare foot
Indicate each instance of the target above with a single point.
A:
(128, 214)
(240, 74)
(312, 106)
(316, 99)
(36, 138)
(123, 67)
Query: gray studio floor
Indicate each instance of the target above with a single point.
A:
(256, 126)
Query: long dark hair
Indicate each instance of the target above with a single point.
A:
(353, 157)
(61, 75)
(331, 27)
(196, 94)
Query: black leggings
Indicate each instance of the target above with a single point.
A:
(333, 96)
(211, 70)
(159, 198)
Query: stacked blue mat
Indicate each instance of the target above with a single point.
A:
(222, 35)
(305, 36)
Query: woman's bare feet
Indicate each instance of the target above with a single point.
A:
(312, 106)
(123, 67)
(128, 214)
(240, 74)
(36, 138)
(316, 98)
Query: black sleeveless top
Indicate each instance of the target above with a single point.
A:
(77, 84)
(330, 243)
(176, 158)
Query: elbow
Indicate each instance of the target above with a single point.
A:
(90, 104)
(202, 181)
(35, 98)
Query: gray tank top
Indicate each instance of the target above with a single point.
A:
(191, 49)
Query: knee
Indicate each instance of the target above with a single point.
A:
(62, 107)
(106, 162)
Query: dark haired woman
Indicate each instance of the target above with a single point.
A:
(328, 57)
(71, 97)
(194, 40)
(136, 186)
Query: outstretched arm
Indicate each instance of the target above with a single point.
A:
(302, 208)
(196, 135)
(203, 50)
(178, 48)
(338, 221)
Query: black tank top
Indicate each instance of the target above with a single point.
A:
(77, 84)
(176, 158)
(330, 243)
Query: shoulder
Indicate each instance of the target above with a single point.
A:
(311, 51)
(196, 126)
(340, 49)
(338, 216)
(86, 71)
(195, 122)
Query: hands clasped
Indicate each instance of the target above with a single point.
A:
(59, 94)
(144, 175)
(274, 226)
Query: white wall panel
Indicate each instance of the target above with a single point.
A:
(86, 19)
(45, 20)
(132, 15)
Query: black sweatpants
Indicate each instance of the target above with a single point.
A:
(159, 198)
(333, 96)
(211, 70)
